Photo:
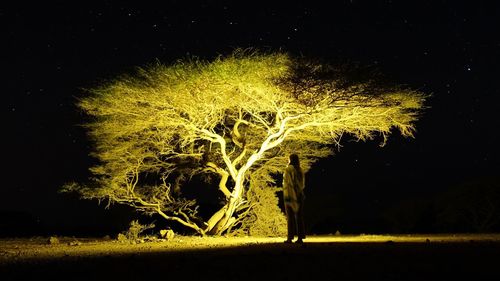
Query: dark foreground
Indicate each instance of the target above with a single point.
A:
(465, 260)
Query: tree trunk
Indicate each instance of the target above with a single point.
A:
(223, 218)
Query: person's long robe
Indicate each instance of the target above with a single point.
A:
(293, 188)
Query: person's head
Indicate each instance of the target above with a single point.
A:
(294, 160)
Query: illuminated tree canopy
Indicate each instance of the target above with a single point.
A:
(234, 119)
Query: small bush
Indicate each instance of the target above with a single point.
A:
(265, 217)
(53, 240)
(134, 231)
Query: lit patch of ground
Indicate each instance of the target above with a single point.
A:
(330, 257)
(15, 250)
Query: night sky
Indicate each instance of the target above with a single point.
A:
(51, 51)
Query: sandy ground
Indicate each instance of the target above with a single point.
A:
(367, 257)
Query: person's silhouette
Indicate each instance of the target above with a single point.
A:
(293, 196)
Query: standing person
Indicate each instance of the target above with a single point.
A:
(293, 195)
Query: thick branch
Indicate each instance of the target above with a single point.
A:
(236, 136)
(224, 177)
(240, 157)
(219, 139)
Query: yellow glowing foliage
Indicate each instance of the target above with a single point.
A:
(227, 117)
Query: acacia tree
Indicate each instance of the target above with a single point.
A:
(234, 119)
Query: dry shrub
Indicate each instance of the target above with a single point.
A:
(265, 218)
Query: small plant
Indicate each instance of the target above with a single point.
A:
(53, 240)
(134, 231)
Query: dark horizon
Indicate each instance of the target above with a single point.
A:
(52, 52)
